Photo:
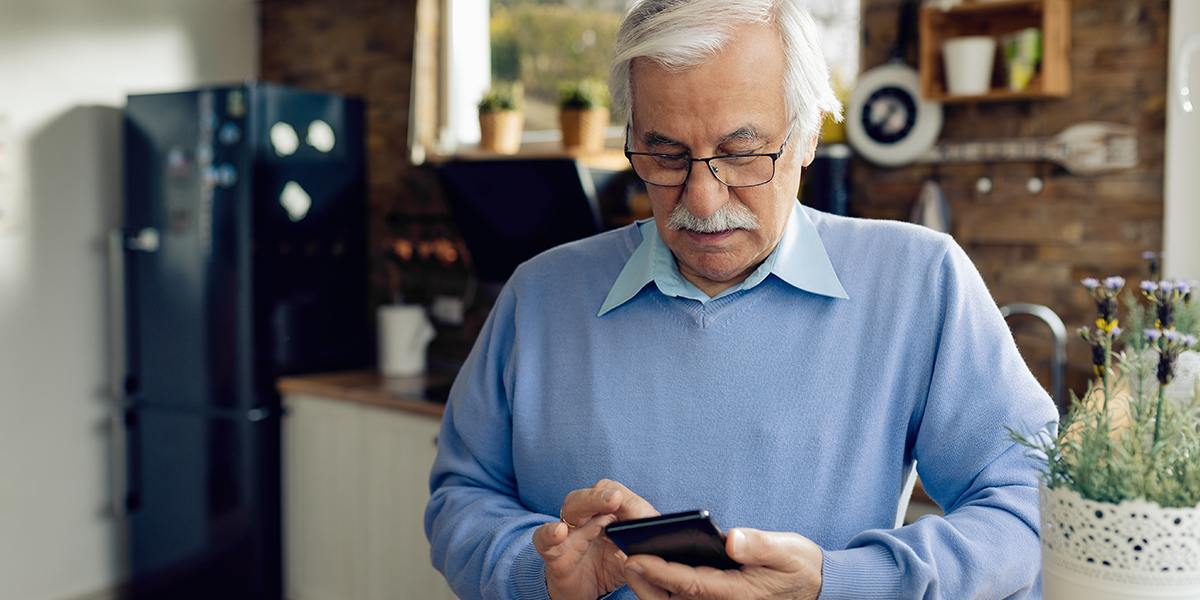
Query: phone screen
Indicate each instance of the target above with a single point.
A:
(690, 538)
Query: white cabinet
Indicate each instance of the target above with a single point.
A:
(356, 481)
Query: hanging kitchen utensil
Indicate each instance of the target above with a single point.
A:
(931, 208)
(887, 120)
(1082, 149)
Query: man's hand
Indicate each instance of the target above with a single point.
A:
(775, 565)
(581, 563)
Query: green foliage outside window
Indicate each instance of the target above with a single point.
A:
(545, 46)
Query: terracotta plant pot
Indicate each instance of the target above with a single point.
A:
(1134, 550)
(583, 128)
(500, 131)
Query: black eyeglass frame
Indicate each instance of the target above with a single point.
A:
(629, 154)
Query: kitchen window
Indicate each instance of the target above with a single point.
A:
(462, 46)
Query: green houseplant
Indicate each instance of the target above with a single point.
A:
(583, 114)
(1120, 493)
(501, 119)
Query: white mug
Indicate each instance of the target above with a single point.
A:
(404, 334)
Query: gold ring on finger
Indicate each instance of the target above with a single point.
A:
(566, 522)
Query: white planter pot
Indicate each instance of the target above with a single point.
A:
(1132, 550)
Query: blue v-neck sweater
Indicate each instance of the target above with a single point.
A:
(773, 408)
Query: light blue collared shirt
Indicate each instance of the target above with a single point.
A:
(799, 259)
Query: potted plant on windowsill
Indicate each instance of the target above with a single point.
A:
(1120, 492)
(583, 115)
(501, 119)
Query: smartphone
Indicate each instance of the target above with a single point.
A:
(690, 538)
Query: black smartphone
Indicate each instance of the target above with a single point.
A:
(690, 538)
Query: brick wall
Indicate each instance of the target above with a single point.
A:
(365, 48)
(1036, 248)
(361, 48)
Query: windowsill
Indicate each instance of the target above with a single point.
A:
(545, 145)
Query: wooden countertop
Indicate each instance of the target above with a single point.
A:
(411, 394)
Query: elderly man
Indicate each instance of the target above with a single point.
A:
(782, 368)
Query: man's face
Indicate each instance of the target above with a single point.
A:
(732, 104)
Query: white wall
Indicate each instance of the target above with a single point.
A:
(1181, 216)
(65, 68)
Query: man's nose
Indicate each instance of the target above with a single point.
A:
(703, 193)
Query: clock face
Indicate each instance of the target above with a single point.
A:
(887, 120)
(889, 115)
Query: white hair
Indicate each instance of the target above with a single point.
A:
(680, 34)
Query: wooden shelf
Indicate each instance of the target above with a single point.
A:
(998, 18)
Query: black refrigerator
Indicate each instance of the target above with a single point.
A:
(244, 249)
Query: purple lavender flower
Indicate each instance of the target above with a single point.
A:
(1149, 286)
(1091, 283)
(1171, 335)
(1152, 334)
(1154, 263)
(1098, 359)
(1116, 331)
(1188, 340)
(1114, 283)
(1166, 372)
(1182, 286)
(1166, 285)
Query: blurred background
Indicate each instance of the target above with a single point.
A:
(421, 67)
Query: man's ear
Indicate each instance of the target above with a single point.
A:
(810, 150)
(810, 146)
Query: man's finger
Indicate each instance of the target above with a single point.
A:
(787, 552)
(639, 585)
(605, 497)
(680, 580)
(632, 505)
(794, 557)
(548, 538)
(581, 505)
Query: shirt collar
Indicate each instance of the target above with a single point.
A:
(799, 260)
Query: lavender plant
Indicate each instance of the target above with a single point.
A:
(1166, 297)
(1107, 328)
(1124, 440)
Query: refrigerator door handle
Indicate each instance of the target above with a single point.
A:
(116, 316)
(117, 373)
(120, 470)
(129, 499)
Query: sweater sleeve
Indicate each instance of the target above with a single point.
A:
(987, 544)
(479, 532)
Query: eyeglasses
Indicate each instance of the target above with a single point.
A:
(733, 170)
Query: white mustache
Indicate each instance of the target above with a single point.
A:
(729, 216)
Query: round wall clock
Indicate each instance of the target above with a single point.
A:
(888, 122)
